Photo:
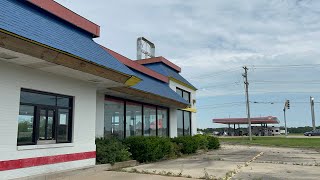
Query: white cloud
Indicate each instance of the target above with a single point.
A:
(206, 37)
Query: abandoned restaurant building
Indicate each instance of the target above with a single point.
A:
(60, 90)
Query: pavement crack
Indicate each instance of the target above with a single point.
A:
(231, 174)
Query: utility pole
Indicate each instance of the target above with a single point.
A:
(312, 113)
(285, 121)
(245, 75)
(286, 106)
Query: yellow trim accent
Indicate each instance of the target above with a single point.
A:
(182, 83)
(133, 80)
(57, 50)
(194, 110)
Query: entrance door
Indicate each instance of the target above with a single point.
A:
(46, 125)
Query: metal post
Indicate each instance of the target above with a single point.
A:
(285, 121)
(312, 113)
(245, 75)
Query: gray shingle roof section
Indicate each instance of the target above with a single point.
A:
(22, 18)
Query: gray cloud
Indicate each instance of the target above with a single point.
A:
(205, 37)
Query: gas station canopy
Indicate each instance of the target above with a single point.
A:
(254, 120)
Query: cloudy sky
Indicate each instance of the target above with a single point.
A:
(279, 41)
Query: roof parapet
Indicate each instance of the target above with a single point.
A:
(134, 65)
(160, 59)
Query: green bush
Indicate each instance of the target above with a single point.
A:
(213, 142)
(202, 141)
(111, 150)
(188, 144)
(149, 149)
(175, 150)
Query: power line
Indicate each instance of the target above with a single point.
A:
(221, 85)
(285, 66)
(229, 103)
(222, 106)
(287, 82)
(216, 74)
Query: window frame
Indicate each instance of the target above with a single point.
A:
(142, 104)
(183, 122)
(56, 108)
(184, 91)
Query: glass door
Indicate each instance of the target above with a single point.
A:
(46, 125)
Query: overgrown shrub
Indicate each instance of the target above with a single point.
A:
(149, 149)
(202, 141)
(175, 150)
(213, 142)
(188, 144)
(111, 150)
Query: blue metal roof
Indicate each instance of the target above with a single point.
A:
(167, 71)
(151, 85)
(22, 18)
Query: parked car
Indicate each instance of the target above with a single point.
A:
(200, 132)
(216, 133)
(313, 133)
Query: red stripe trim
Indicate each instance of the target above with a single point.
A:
(134, 65)
(68, 15)
(39, 161)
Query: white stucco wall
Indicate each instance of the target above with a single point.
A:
(173, 122)
(173, 85)
(12, 79)
(100, 115)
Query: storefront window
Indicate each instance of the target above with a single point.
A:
(180, 122)
(25, 126)
(187, 116)
(44, 118)
(63, 125)
(163, 122)
(124, 118)
(183, 123)
(114, 118)
(150, 117)
(133, 119)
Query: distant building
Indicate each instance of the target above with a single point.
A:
(262, 130)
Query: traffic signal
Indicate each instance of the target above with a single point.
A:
(288, 104)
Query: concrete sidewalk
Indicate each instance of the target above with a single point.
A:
(243, 162)
(112, 175)
(229, 162)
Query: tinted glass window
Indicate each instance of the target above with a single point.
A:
(180, 122)
(149, 117)
(63, 102)
(134, 119)
(179, 91)
(187, 116)
(63, 125)
(163, 122)
(25, 126)
(186, 96)
(34, 98)
(114, 118)
(46, 107)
